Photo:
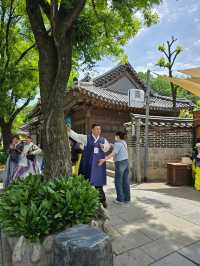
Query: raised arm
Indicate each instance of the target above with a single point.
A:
(80, 138)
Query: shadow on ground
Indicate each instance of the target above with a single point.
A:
(147, 232)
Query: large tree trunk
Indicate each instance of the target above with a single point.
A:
(55, 67)
(6, 135)
(55, 57)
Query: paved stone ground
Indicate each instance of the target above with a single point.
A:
(161, 226)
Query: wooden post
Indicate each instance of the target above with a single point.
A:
(138, 157)
(146, 139)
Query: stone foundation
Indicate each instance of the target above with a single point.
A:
(22, 252)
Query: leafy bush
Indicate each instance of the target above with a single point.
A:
(3, 157)
(35, 208)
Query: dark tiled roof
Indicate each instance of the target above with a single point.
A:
(109, 76)
(160, 121)
(100, 89)
(156, 101)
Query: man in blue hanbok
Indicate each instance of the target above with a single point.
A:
(95, 147)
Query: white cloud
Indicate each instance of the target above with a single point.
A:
(193, 9)
(166, 13)
(196, 20)
(196, 43)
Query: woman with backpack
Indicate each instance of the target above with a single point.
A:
(30, 160)
(15, 149)
(120, 155)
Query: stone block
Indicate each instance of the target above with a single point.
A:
(83, 245)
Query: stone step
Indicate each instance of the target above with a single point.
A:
(110, 173)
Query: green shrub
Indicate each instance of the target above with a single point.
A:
(36, 208)
(3, 157)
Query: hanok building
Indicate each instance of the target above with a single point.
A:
(104, 100)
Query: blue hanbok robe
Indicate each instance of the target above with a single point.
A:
(89, 166)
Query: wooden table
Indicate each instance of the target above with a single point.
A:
(179, 174)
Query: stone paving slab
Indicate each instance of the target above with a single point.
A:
(134, 257)
(159, 224)
(192, 252)
(173, 259)
(130, 241)
(163, 247)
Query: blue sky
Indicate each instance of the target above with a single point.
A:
(180, 18)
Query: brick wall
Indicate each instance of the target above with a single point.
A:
(166, 144)
(163, 137)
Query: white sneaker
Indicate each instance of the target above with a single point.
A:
(127, 203)
(118, 202)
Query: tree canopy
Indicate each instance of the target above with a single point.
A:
(18, 65)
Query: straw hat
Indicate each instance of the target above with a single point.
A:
(197, 145)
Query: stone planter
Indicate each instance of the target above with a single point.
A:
(22, 252)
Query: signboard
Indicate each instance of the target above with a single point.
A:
(136, 98)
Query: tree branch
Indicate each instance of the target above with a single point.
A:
(7, 38)
(173, 40)
(18, 110)
(104, 22)
(173, 61)
(166, 54)
(46, 8)
(36, 20)
(24, 54)
(66, 16)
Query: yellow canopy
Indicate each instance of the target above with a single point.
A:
(191, 85)
(194, 72)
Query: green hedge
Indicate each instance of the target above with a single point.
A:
(36, 208)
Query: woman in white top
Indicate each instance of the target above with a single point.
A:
(120, 155)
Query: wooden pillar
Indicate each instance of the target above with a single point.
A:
(138, 155)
